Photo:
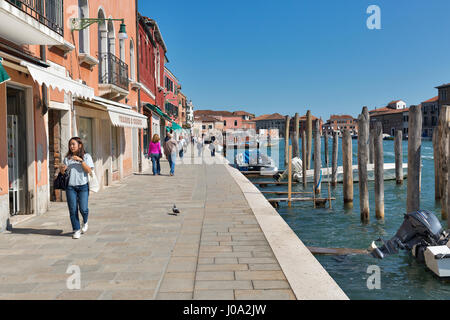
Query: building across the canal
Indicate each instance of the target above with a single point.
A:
(430, 114)
(393, 117)
(271, 121)
(337, 123)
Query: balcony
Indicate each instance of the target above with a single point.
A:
(113, 77)
(33, 22)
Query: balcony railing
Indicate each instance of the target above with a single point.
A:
(113, 71)
(48, 12)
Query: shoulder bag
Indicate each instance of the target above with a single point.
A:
(62, 181)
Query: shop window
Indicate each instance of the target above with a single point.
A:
(85, 133)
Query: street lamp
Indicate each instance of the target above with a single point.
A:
(79, 24)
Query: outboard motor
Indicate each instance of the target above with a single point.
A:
(419, 230)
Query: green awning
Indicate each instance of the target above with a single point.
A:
(154, 108)
(176, 126)
(4, 76)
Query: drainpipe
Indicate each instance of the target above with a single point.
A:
(139, 89)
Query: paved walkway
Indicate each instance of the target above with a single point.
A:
(135, 249)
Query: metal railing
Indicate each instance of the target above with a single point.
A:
(48, 12)
(113, 71)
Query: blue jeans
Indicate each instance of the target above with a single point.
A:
(172, 159)
(181, 153)
(77, 198)
(156, 167)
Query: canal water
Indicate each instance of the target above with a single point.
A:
(401, 276)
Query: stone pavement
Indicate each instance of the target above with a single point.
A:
(135, 249)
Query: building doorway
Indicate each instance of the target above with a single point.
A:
(17, 152)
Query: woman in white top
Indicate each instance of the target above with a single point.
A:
(79, 163)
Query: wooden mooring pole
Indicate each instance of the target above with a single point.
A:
(308, 139)
(334, 159)
(379, 170)
(290, 177)
(437, 190)
(398, 149)
(295, 142)
(304, 159)
(325, 140)
(235, 150)
(448, 195)
(365, 112)
(443, 159)
(347, 161)
(317, 157)
(414, 145)
(286, 139)
(372, 146)
(363, 139)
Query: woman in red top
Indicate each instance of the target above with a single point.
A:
(154, 152)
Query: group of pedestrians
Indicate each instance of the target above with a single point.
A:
(211, 145)
(78, 165)
(171, 148)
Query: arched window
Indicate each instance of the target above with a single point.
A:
(83, 12)
(132, 61)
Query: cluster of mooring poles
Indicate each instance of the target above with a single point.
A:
(311, 131)
(370, 152)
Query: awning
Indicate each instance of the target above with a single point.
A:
(56, 79)
(176, 126)
(122, 116)
(156, 109)
(4, 76)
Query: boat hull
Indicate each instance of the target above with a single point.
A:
(389, 173)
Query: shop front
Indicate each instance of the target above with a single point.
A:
(107, 127)
(23, 158)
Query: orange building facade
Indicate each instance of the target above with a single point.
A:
(65, 84)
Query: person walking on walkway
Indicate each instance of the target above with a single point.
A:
(80, 164)
(170, 151)
(181, 146)
(212, 146)
(154, 152)
(199, 146)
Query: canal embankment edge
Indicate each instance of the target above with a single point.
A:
(306, 276)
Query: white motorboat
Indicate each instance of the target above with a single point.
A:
(254, 162)
(389, 173)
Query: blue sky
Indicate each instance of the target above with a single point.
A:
(289, 56)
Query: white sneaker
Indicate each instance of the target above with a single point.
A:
(77, 234)
(84, 228)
